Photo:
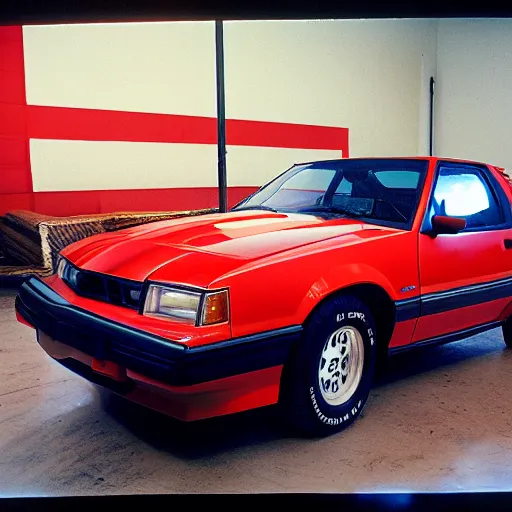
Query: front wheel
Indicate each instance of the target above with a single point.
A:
(328, 378)
(507, 332)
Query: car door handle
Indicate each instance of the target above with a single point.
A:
(508, 243)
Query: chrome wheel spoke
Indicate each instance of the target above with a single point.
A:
(341, 365)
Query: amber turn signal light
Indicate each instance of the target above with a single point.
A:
(215, 309)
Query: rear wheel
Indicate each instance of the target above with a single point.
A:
(507, 332)
(326, 383)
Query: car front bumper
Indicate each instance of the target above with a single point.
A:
(184, 382)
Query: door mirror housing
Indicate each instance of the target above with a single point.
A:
(445, 225)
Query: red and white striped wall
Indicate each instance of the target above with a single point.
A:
(112, 117)
(99, 118)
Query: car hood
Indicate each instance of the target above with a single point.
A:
(197, 250)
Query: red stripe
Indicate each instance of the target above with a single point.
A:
(105, 201)
(110, 125)
(15, 175)
(19, 123)
(286, 135)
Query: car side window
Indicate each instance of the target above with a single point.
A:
(464, 193)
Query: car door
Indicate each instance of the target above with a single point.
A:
(465, 278)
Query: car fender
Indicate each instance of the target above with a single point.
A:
(506, 313)
(336, 279)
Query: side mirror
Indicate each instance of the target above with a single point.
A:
(444, 225)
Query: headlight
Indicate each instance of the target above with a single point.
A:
(197, 308)
(176, 304)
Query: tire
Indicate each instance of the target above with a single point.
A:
(317, 407)
(507, 332)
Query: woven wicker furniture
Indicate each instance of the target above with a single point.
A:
(33, 240)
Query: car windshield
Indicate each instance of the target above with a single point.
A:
(382, 190)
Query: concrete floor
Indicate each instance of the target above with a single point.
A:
(438, 420)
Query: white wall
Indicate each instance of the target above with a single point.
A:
(365, 75)
(166, 68)
(136, 67)
(370, 76)
(474, 91)
(428, 70)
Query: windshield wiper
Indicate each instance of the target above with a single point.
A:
(259, 207)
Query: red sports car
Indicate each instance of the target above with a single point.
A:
(291, 296)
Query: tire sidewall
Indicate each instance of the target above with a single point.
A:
(507, 332)
(341, 312)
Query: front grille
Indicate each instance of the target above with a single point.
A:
(121, 292)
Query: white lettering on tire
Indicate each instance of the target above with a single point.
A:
(351, 315)
(356, 314)
(332, 421)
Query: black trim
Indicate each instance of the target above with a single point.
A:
(148, 354)
(107, 281)
(446, 338)
(177, 364)
(465, 296)
(54, 12)
(407, 309)
(251, 338)
(143, 296)
(456, 298)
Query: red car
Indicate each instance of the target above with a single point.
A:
(291, 296)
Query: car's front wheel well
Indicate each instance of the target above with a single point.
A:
(380, 305)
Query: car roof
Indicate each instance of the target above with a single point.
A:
(427, 158)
